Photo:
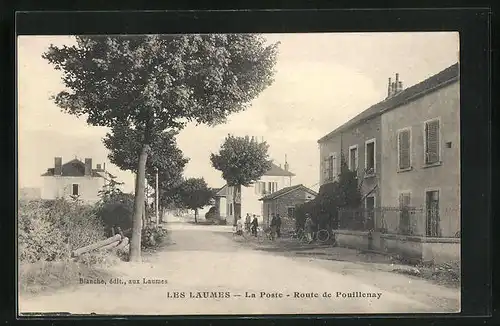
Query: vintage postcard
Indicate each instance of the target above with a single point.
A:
(239, 174)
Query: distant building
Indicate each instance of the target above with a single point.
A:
(28, 193)
(283, 201)
(273, 180)
(74, 178)
(221, 202)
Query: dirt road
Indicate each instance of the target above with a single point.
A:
(206, 272)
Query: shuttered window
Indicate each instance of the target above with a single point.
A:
(432, 142)
(404, 149)
(404, 200)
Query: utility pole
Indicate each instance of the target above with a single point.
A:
(157, 199)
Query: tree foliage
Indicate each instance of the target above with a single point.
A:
(194, 194)
(342, 193)
(242, 160)
(146, 84)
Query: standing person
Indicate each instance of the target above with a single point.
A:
(273, 226)
(254, 226)
(248, 220)
(278, 225)
(239, 227)
(308, 228)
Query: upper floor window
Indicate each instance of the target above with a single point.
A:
(404, 149)
(432, 141)
(370, 164)
(75, 190)
(353, 157)
(332, 167)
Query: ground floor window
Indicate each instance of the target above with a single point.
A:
(432, 213)
(230, 209)
(75, 191)
(290, 212)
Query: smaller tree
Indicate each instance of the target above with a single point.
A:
(194, 194)
(242, 161)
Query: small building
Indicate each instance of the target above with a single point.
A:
(283, 201)
(275, 179)
(75, 179)
(221, 202)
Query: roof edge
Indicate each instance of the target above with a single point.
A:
(290, 190)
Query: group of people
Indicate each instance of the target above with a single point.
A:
(250, 225)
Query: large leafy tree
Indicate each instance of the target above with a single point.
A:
(152, 83)
(242, 161)
(194, 194)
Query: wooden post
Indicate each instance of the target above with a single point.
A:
(96, 245)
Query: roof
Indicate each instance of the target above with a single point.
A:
(76, 168)
(222, 192)
(437, 81)
(287, 190)
(277, 171)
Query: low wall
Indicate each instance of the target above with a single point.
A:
(352, 239)
(437, 250)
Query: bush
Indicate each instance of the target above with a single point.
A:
(153, 237)
(116, 210)
(50, 230)
(211, 213)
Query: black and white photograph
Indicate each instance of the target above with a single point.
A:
(239, 174)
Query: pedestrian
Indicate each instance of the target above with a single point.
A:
(248, 220)
(278, 225)
(239, 226)
(273, 226)
(255, 225)
(308, 228)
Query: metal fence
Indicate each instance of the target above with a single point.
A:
(397, 220)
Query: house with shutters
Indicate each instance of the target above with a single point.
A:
(75, 179)
(275, 179)
(406, 150)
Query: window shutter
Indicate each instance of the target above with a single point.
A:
(432, 142)
(404, 149)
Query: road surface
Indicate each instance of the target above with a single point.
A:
(207, 272)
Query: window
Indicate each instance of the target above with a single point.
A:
(332, 167)
(272, 187)
(404, 213)
(291, 212)
(370, 157)
(230, 209)
(432, 142)
(75, 191)
(432, 213)
(353, 157)
(404, 149)
(260, 188)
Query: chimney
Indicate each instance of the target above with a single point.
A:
(286, 164)
(88, 166)
(58, 166)
(389, 88)
(98, 167)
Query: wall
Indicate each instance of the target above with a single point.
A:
(443, 103)
(58, 187)
(250, 200)
(358, 135)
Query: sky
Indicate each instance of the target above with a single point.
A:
(321, 81)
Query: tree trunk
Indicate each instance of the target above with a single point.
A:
(237, 203)
(196, 215)
(135, 243)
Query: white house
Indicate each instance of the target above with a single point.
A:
(273, 180)
(74, 178)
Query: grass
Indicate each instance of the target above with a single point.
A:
(446, 274)
(43, 276)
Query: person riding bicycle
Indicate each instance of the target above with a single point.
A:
(254, 226)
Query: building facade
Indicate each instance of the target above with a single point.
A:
(283, 202)
(273, 180)
(421, 158)
(408, 146)
(74, 179)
